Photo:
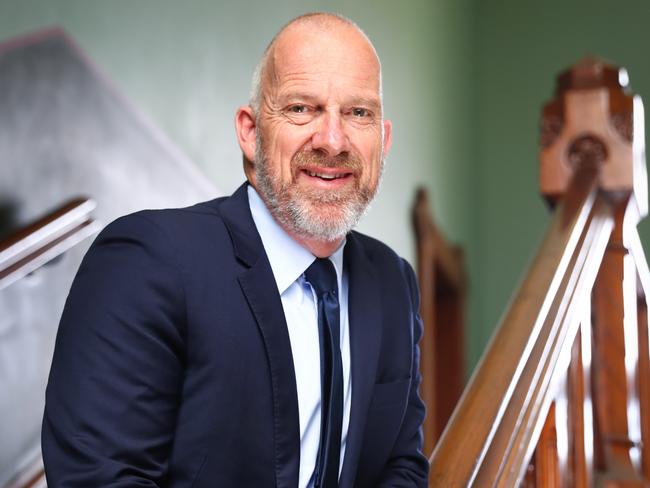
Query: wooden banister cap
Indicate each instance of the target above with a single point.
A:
(594, 120)
(589, 73)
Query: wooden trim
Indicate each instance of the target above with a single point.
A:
(427, 234)
(442, 281)
(34, 245)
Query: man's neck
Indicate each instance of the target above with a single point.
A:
(318, 248)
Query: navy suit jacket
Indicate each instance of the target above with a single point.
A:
(173, 365)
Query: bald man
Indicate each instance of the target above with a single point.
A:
(253, 340)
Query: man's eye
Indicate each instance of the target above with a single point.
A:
(298, 109)
(360, 112)
(299, 113)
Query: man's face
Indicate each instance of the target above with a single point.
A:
(320, 133)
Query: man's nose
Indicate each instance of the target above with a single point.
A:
(330, 136)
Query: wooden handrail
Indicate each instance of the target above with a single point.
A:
(36, 244)
(515, 439)
(493, 429)
(32, 476)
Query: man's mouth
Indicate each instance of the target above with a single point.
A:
(329, 178)
(326, 176)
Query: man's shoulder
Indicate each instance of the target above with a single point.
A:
(168, 219)
(197, 211)
(184, 227)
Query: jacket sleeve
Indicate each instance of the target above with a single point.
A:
(407, 465)
(116, 375)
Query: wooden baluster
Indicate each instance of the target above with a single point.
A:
(614, 362)
(644, 382)
(643, 340)
(563, 435)
(580, 431)
(547, 469)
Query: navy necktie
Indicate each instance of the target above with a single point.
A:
(322, 277)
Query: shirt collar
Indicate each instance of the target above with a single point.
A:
(288, 259)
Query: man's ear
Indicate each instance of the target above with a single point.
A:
(246, 129)
(388, 136)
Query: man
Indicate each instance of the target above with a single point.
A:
(196, 347)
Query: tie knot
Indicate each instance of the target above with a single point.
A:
(322, 276)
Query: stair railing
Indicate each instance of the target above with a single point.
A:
(561, 396)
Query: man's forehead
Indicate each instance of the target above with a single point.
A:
(338, 48)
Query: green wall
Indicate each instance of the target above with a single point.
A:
(187, 66)
(464, 81)
(522, 45)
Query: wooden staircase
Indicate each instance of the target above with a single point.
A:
(561, 396)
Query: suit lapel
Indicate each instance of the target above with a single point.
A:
(259, 287)
(365, 338)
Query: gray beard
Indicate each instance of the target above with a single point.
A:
(302, 212)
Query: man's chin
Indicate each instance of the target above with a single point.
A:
(325, 211)
(329, 222)
(322, 231)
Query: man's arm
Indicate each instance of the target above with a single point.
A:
(407, 466)
(117, 370)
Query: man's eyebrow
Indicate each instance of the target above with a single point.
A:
(365, 102)
(290, 97)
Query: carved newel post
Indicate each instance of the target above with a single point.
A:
(593, 120)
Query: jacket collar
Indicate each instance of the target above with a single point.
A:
(258, 285)
(365, 337)
(364, 310)
(237, 217)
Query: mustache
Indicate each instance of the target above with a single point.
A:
(306, 158)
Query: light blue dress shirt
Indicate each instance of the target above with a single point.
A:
(289, 260)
